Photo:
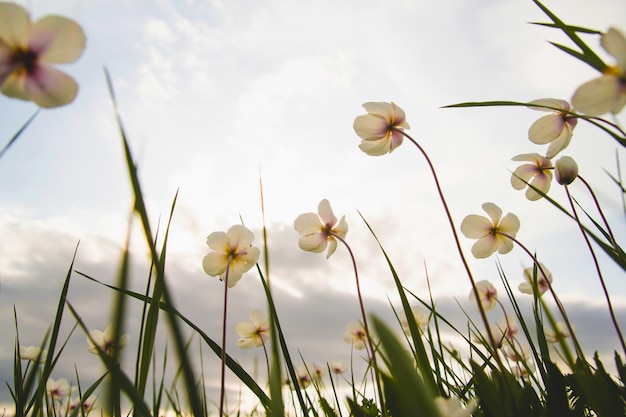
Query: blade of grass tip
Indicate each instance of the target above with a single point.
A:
(276, 373)
(590, 57)
(85, 395)
(114, 370)
(18, 133)
(140, 208)
(423, 362)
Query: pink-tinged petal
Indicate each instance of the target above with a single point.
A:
(526, 288)
(14, 24)
(614, 43)
(307, 223)
(217, 241)
(541, 182)
(522, 175)
(375, 148)
(215, 263)
(494, 212)
(505, 245)
(554, 104)
(560, 143)
(332, 247)
(239, 237)
(475, 226)
(509, 225)
(342, 228)
(599, 96)
(326, 213)
(49, 87)
(313, 242)
(245, 329)
(247, 258)
(396, 140)
(371, 127)
(546, 129)
(485, 247)
(527, 157)
(57, 39)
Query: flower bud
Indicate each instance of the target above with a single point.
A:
(566, 170)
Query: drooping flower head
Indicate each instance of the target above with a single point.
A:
(317, 231)
(253, 334)
(556, 128)
(231, 247)
(538, 174)
(543, 281)
(492, 233)
(381, 128)
(565, 170)
(28, 51)
(606, 93)
(355, 335)
(487, 295)
(105, 340)
(337, 366)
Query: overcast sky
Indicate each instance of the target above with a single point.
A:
(215, 93)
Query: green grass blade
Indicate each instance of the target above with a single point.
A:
(18, 133)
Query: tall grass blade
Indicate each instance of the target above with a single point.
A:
(18, 133)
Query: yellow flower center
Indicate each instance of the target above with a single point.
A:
(613, 70)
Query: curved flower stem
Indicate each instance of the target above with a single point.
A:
(365, 325)
(483, 314)
(267, 360)
(223, 366)
(595, 200)
(597, 265)
(559, 305)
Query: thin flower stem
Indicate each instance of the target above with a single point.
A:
(595, 200)
(365, 325)
(223, 367)
(559, 305)
(483, 314)
(267, 360)
(597, 265)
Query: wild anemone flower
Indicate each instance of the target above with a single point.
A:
(232, 247)
(556, 128)
(32, 353)
(337, 366)
(381, 128)
(538, 174)
(105, 340)
(543, 281)
(253, 334)
(493, 233)
(28, 51)
(487, 295)
(57, 389)
(606, 93)
(355, 335)
(319, 230)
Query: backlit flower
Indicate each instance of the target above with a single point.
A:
(562, 332)
(317, 231)
(87, 404)
(421, 317)
(32, 353)
(543, 281)
(606, 93)
(487, 295)
(355, 335)
(304, 379)
(253, 334)
(105, 340)
(28, 51)
(452, 407)
(337, 366)
(538, 174)
(231, 247)
(565, 170)
(57, 389)
(381, 128)
(556, 128)
(492, 233)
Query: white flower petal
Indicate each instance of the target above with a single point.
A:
(554, 103)
(375, 148)
(371, 127)
(326, 213)
(14, 24)
(546, 129)
(615, 44)
(57, 39)
(475, 226)
(214, 263)
(307, 223)
(599, 96)
(494, 212)
(313, 242)
(485, 247)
